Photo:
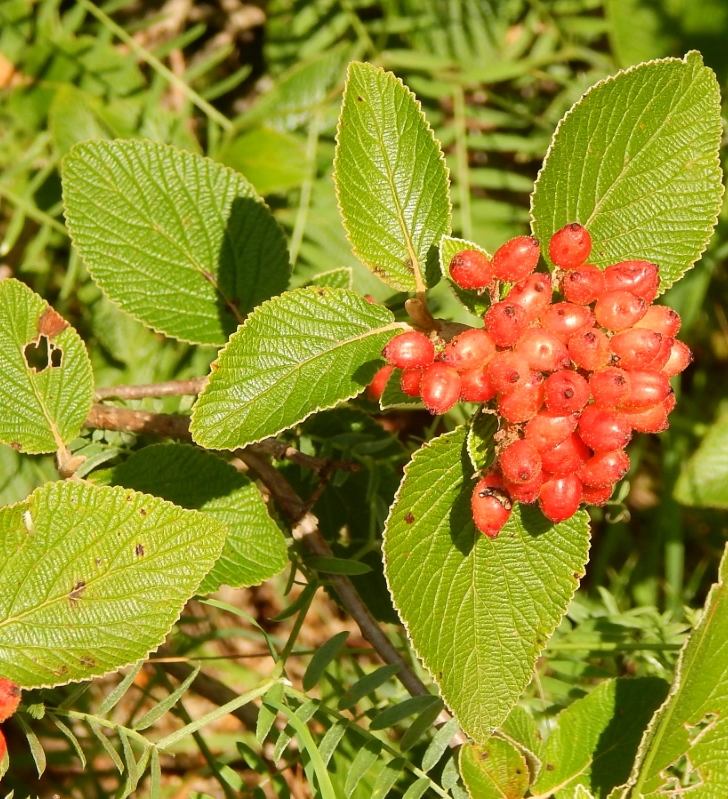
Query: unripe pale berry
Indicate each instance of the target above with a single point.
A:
(680, 357)
(661, 319)
(596, 496)
(505, 322)
(408, 350)
(604, 468)
(470, 269)
(542, 350)
(570, 246)
(560, 497)
(566, 392)
(589, 349)
(9, 698)
(508, 371)
(583, 285)
(439, 388)
(639, 277)
(547, 429)
(609, 387)
(636, 348)
(516, 259)
(520, 462)
(648, 420)
(410, 380)
(376, 388)
(523, 403)
(646, 388)
(618, 310)
(533, 294)
(491, 505)
(472, 349)
(476, 386)
(603, 429)
(527, 493)
(567, 457)
(563, 319)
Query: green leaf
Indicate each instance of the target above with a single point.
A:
(299, 353)
(364, 760)
(46, 390)
(156, 713)
(390, 176)
(481, 443)
(692, 724)
(320, 661)
(266, 716)
(494, 770)
(404, 709)
(182, 243)
(387, 777)
(478, 611)
(338, 566)
(341, 278)
(255, 549)
(703, 479)
(331, 740)
(476, 302)
(596, 737)
(367, 685)
(439, 743)
(521, 730)
(101, 575)
(636, 162)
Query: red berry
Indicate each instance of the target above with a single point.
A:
(523, 403)
(589, 349)
(567, 457)
(566, 392)
(604, 468)
(560, 497)
(603, 429)
(506, 322)
(470, 269)
(3, 747)
(376, 388)
(516, 259)
(609, 387)
(636, 348)
(439, 388)
(472, 349)
(646, 388)
(570, 246)
(563, 319)
(663, 354)
(669, 403)
(618, 310)
(409, 350)
(596, 496)
(533, 294)
(680, 357)
(9, 698)
(547, 429)
(476, 386)
(520, 462)
(525, 492)
(583, 285)
(491, 505)
(542, 350)
(508, 370)
(661, 319)
(409, 382)
(648, 420)
(639, 277)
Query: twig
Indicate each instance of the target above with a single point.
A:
(170, 388)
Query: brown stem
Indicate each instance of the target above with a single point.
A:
(170, 388)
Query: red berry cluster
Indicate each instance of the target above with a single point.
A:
(572, 378)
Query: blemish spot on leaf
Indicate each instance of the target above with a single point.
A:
(87, 661)
(77, 592)
(51, 323)
(142, 512)
(139, 550)
(409, 518)
(98, 561)
(549, 767)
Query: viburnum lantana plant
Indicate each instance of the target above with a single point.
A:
(562, 357)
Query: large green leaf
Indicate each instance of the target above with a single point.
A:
(46, 384)
(494, 770)
(689, 733)
(478, 611)
(97, 577)
(304, 351)
(596, 737)
(391, 177)
(703, 479)
(180, 242)
(255, 548)
(636, 162)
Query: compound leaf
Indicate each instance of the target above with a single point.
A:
(494, 770)
(391, 177)
(46, 390)
(636, 161)
(304, 351)
(182, 243)
(98, 574)
(478, 611)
